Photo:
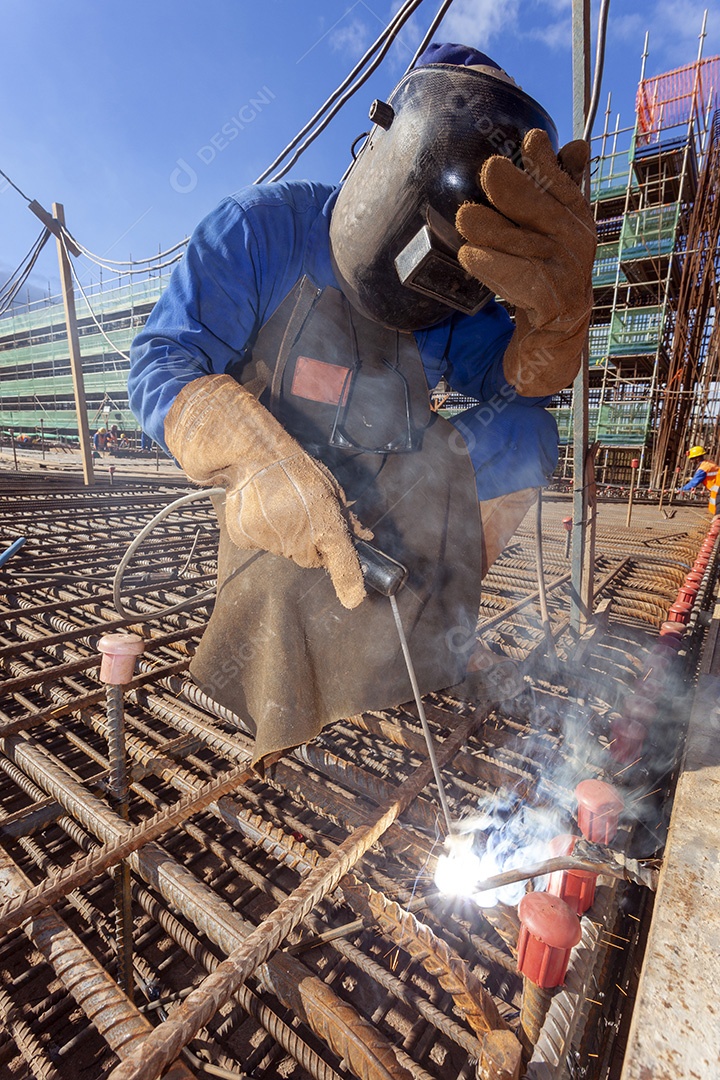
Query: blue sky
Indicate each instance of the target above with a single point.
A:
(141, 116)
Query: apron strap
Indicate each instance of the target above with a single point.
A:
(307, 298)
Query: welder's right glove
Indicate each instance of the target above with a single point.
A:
(536, 250)
(279, 498)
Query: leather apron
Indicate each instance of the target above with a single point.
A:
(279, 649)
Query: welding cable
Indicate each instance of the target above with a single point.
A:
(407, 9)
(599, 65)
(122, 611)
(542, 591)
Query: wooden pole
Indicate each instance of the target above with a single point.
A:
(74, 350)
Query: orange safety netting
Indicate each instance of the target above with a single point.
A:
(672, 99)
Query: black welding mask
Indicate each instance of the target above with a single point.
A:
(393, 242)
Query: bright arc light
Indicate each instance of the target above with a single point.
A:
(458, 872)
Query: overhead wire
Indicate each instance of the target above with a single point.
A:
(22, 273)
(106, 263)
(440, 15)
(10, 281)
(93, 316)
(113, 268)
(408, 4)
(14, 185)
(390, 34)
(599, 66)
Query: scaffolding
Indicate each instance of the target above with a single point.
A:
(654, 382)
(36, 388)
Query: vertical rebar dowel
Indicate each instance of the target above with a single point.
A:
(633, 473)
(118, 664)
(662, 488)
(542, 594)
(533, 1010)
(116, 748)
(118, 788)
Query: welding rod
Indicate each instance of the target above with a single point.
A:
(386, 576)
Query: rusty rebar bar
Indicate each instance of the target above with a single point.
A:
(167, 1040)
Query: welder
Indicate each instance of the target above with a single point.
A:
(289, 361)
(706, 473)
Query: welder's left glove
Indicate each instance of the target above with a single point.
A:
(536, 249)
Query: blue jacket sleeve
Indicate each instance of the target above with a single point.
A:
(240, 263)
(698, 478)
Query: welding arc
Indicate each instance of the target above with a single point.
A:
(167, 1040)
(31, 902)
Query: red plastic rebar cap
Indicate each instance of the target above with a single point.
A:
(628, 736)
(599, 808)
(575, 887)
(567, 523)
(635, 463)
(679, 612)
(687, 593)
(694, 578)
(549, 930)
(640, 708)
(672, 629)
(118, 657)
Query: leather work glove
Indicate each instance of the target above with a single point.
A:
(536, 249)
(279, 499)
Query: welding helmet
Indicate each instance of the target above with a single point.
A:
(393, 242)
(696, 451)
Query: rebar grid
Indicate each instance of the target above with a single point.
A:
(227, 864)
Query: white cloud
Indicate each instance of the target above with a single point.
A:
(351, 37)
(674, 27)
(477, 22)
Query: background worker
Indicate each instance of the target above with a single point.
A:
(100, 440)
(706, 473)
(289, 361)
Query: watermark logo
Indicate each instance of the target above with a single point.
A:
(184, 177)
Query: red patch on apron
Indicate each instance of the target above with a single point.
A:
(316, 380)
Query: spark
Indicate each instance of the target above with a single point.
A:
(594, 1001)
(621, 771)
(648, 794)
(618, 936)
(613, 945)
(634, 917)
(621, 989)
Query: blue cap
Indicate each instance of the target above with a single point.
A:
(448, 53)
